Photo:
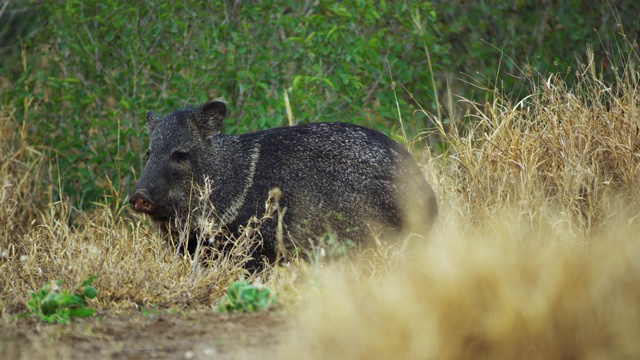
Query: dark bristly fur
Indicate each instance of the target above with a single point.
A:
(333, 177)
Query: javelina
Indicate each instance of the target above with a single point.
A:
(335, 177)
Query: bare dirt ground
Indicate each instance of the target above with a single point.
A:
(196, 335)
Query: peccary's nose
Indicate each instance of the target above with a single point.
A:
(140, 202)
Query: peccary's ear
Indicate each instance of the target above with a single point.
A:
(209, 117)
(152, 120)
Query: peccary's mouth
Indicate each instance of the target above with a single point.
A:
(162, 215)
(160, 218)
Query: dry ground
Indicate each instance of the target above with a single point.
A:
(160, 335)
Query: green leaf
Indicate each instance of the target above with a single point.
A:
(49, 307)
(333, 29)
(297, 80)
(88, 281)
(81, 312)
(328, 82)
(71, 80)
(310, 37)
(90, 292)
(75, 300)
(125, 104)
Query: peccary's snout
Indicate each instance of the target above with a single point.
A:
(140, 202)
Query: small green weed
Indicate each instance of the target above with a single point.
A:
(150, 311)
(55, 305)
(245, 297)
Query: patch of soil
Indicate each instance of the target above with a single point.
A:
(196, 335)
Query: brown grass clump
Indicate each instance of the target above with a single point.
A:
(20, 171)
(572, 148)
(20, 167)
(134, 266)
(501, 293)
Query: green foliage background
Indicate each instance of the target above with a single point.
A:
(91, 69)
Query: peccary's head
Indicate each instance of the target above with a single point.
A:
(176, 160)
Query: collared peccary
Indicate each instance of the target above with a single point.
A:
(333, 177)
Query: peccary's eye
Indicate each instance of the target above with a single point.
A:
(180, 156)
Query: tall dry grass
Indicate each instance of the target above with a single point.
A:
(536, 252)
(573, 148)
(20, 170)
(503, 292)
(20, 195)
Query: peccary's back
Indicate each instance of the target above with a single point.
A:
(335, 177)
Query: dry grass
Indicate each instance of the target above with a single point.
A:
(135, 267)
(20, 169)
(503, 292)
(572, 148)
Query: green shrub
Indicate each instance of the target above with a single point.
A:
(494, 39)
(51, 304)
(245, 297)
